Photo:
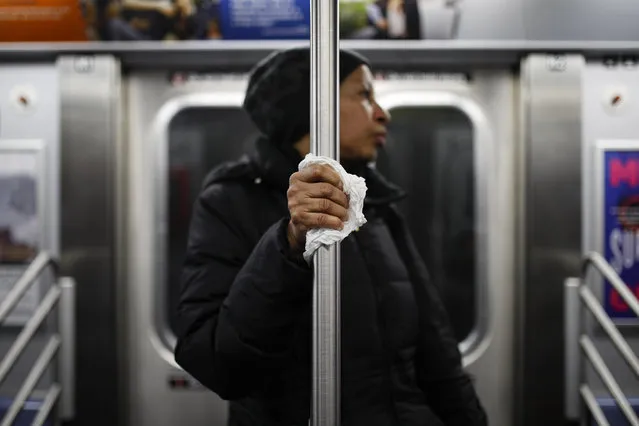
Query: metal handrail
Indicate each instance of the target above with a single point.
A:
(602, 265)
(62, 343)
(595, 409)
(609, 327)
(25, 336)
(608, 379)
(33, 271)
(578, 296)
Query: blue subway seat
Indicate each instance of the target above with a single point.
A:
(612, 412)
(26, 415)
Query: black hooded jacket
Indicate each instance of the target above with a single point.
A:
(245, 310)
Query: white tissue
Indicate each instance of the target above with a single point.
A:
(355, 188)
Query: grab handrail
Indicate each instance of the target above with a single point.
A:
(609, 327)
(62, 293)
(577, 296)
(600, 264)
(33, 271)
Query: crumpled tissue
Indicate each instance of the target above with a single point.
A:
(355, 188)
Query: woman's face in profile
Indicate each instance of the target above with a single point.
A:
(362, 121)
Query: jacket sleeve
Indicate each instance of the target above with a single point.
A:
(440, 374)
(238, 304)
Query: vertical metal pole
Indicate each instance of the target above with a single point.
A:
(66, 356)
(325, 142)
(585, 415)
(572, 355)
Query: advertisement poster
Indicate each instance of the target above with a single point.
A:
(399, 19)
(621, 226)
(171, 20)
(108, 20)
(19, 228)
(42, 21)
(265, 20)
(144, 20)
(182, 20)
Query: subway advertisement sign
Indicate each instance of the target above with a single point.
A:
(264, 20)
(621, 224)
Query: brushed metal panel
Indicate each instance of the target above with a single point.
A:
(551, 90)
(494, 371)
(89, 94)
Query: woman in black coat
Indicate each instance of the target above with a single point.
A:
(245, 306)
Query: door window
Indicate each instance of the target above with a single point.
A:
(199, 140)
(429, 154)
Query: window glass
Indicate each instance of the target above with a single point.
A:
(430, 154)
(199, 140)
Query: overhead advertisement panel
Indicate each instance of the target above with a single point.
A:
(259, 19)
(171, 20)
(42, 20)
(181, 20)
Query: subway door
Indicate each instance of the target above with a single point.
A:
(178, 131)
(451, 146)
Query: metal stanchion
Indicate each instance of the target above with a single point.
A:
(325, 142)
(572, 353)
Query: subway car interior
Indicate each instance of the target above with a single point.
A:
(510, 153)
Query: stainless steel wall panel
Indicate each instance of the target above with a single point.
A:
(90, 92)
(551, 238)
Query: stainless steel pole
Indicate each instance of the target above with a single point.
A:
(325, 142)
(572, 353)
(67, 356)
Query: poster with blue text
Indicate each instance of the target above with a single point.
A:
(621, 224)
(265, 19)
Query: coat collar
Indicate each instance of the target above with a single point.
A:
(276, 165)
